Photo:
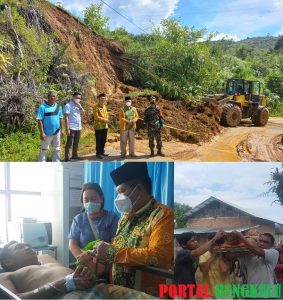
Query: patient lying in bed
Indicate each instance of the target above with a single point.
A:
(29, 279)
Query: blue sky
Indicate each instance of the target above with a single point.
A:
(239, 184)
(237, 19)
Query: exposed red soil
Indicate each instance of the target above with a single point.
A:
(92, 52)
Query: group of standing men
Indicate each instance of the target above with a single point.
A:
(50, 123)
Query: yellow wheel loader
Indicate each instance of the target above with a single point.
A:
(242, 100)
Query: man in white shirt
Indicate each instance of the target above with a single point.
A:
(72, 112)
(260, 264)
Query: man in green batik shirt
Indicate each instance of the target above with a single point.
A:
(128, 116)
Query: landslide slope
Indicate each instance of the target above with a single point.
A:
(94, 53)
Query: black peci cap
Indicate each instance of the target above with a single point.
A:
(127, 98)
(130, 171)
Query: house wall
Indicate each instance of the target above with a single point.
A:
(219, 222)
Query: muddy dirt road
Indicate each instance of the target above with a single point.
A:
(243, 143)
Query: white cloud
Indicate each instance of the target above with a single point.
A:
(240, 184)
(241, 17)
(143, 13)
(281, 31)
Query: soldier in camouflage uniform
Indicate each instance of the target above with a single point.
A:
(154, 121)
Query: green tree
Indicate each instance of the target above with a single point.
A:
(243, 52)
(279, 43)
(95, 20)
(179, 212)
(275, 83)
(276, 184)
(173, 60)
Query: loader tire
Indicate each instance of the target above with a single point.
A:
(231, 115)
(261, 116)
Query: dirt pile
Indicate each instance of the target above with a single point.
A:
(195, 126)
(90, 51)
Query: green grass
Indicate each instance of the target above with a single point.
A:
(87, 143)
(278, 112)
(19, 146)
(143, 92)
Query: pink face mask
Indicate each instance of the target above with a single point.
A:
(129, 103)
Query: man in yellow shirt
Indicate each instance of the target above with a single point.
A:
(128, 116)
(100, 115)
(215, 269)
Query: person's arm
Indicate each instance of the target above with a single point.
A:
(75, 248)
(67, 122)
(161, 118)
(41, 131)
(81, 279)
(61, 126)
(61, 119)
(74, 236)
(97, 117)
(79, 106)
(145, 118)
(158, 252)
(206, 246)
(47, 291)
(39, 117)
(254, 248)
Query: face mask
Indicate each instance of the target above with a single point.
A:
(129, 103)
(124, 204)
(92, 207)
(76, 101)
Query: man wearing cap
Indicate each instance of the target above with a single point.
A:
(72, 111)
(50, 124)
(100, 115)
(145, 231)
(154, 121)
(128, 116)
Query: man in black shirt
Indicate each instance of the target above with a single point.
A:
(186, 261)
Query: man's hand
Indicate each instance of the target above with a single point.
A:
(42, 136)
(84, 257)
(100, 250)
(219, 235)
(238, 235)
(83, 278)
(68, 132)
